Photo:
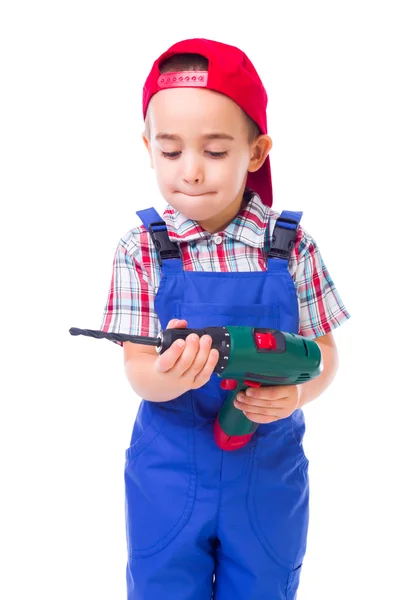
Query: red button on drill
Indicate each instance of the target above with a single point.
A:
(252, 383)
(228, 384)
(266, 341)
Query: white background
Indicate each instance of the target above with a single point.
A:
(343, 87)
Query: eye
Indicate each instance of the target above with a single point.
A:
(217, 154)
(170, 154)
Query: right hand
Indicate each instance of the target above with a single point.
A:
(190, 365)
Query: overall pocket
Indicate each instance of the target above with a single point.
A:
(145, 429)
(278, 498)
(293, 583)
(217, 315)
(295, 434)
(160, 482)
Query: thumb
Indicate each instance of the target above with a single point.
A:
(177, 324)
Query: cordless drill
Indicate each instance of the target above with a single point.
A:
(248, 357)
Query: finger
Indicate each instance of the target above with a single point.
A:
(269, 393)
(205, 362)
(261, 402)
(261, 410)
(179, 356)
(192, 345)
(176, 323)
(202, 355)
(170, 357)
(208, 369)
(261, 418)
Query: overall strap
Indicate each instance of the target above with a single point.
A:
(282, 242)
(156, 226)
(284, 235)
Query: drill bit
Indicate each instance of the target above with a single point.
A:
(117, 337)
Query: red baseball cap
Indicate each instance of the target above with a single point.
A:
(231, 73)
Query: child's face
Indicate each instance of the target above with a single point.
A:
(203, 177)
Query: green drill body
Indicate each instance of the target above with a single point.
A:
(292, 361)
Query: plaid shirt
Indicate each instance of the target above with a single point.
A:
(242, 246)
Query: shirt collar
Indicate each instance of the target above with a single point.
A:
(249, 225)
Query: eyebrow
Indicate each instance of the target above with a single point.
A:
(208, 136)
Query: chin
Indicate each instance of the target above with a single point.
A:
(195, 215)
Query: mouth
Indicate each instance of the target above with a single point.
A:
(197, 195)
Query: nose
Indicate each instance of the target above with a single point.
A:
(193, 172)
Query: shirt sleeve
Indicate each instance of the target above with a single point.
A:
(320, 307)
(130, 304)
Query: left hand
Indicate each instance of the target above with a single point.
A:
(268, 404)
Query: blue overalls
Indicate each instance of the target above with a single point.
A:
(192, 509)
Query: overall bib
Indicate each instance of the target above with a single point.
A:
(192, 509)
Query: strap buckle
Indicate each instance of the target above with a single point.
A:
(163, 245)
(283, 239)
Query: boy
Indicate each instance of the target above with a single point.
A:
(203, 522)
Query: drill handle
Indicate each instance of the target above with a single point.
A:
(233, 418)
(232, 429)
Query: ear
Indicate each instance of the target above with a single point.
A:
(259, 151)
(149, 149)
